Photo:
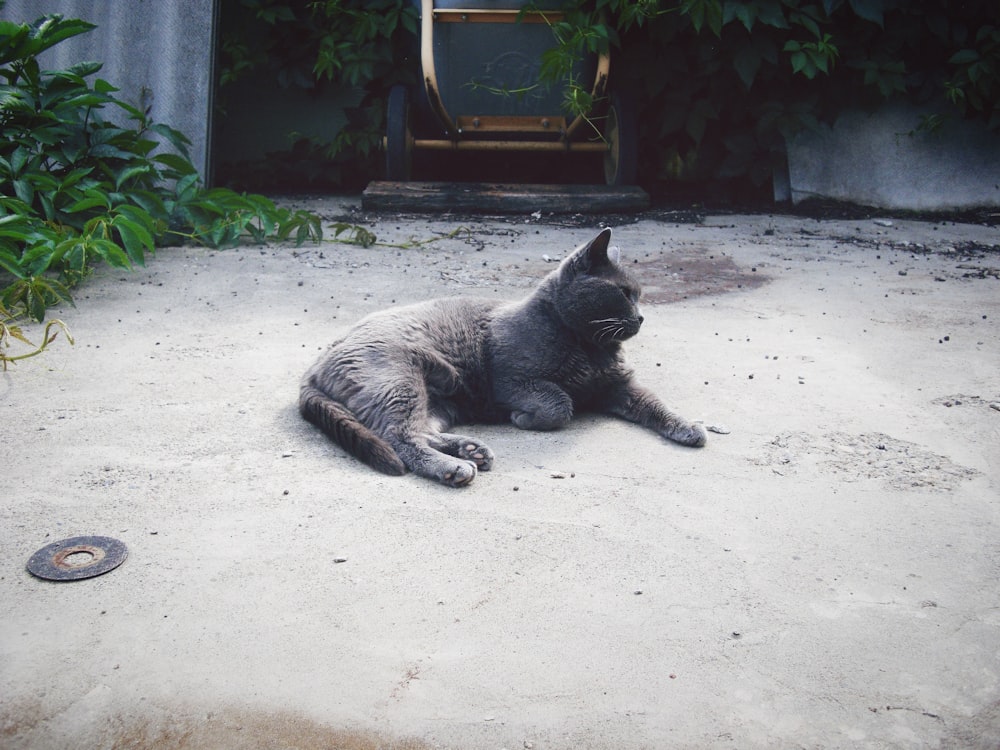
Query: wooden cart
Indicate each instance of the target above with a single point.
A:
(479, 68)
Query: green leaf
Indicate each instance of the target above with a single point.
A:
(38, 258)
(178, 163)
(110, 252)
(74, 177)
(134, 238)
(174, 137)
(93, 199)
(800, 63)
(108, 151)
(187, 186)
(137, 170)
(83, 69)
(149, 202)
(747, 61)
(24, 191)
(50, 30)
(35, 302)
(745, 13)
(964, 57)
(704, 12)
(11, 263)
(140, 226)
(870, 10)
(771, 14)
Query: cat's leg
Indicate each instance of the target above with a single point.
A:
(536, 405)
(637, 404)
(461, 446)
(406, 423)
(431, 463)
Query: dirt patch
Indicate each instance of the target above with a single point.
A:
(874, 455)
(210, 730)
(676, 276)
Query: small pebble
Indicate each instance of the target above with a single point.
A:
(557, 475)
(721, 429)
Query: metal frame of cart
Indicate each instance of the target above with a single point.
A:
(497, 42)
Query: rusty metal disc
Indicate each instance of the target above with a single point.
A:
(77, 558)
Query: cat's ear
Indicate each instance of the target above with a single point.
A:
(594, 254)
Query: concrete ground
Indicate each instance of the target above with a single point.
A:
(824, 574)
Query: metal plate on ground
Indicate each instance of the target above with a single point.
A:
(77, 558)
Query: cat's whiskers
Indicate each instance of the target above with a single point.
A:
(612, 328)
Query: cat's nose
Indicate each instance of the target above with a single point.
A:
(640, 318)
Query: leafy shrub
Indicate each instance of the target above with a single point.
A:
(84, 178)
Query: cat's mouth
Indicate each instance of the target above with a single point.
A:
(607, 330)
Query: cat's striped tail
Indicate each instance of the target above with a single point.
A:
(340, 424)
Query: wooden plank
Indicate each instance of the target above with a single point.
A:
(501, 198)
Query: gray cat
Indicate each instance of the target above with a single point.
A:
(388, 391)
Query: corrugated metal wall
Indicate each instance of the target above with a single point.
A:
(158, 52)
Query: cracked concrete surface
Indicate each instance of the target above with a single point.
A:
(823, 574)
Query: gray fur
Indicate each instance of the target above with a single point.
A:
(392, 387)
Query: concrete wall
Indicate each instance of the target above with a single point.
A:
(157, 52)
(877, 160)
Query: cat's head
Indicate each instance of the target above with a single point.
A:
(594, 295)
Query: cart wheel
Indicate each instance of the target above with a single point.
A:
(621, 161)
(398, 142)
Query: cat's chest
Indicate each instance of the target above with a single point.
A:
(585, 373)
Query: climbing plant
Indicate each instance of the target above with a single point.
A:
(722, 83)
(351, 51)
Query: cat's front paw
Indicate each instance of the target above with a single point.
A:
(693, 435)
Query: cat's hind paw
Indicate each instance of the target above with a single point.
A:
(459, 475)
(478, 453)
(466, 448)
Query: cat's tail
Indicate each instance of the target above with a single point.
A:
(337, 421)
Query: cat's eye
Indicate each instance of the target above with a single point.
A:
(630, 294)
